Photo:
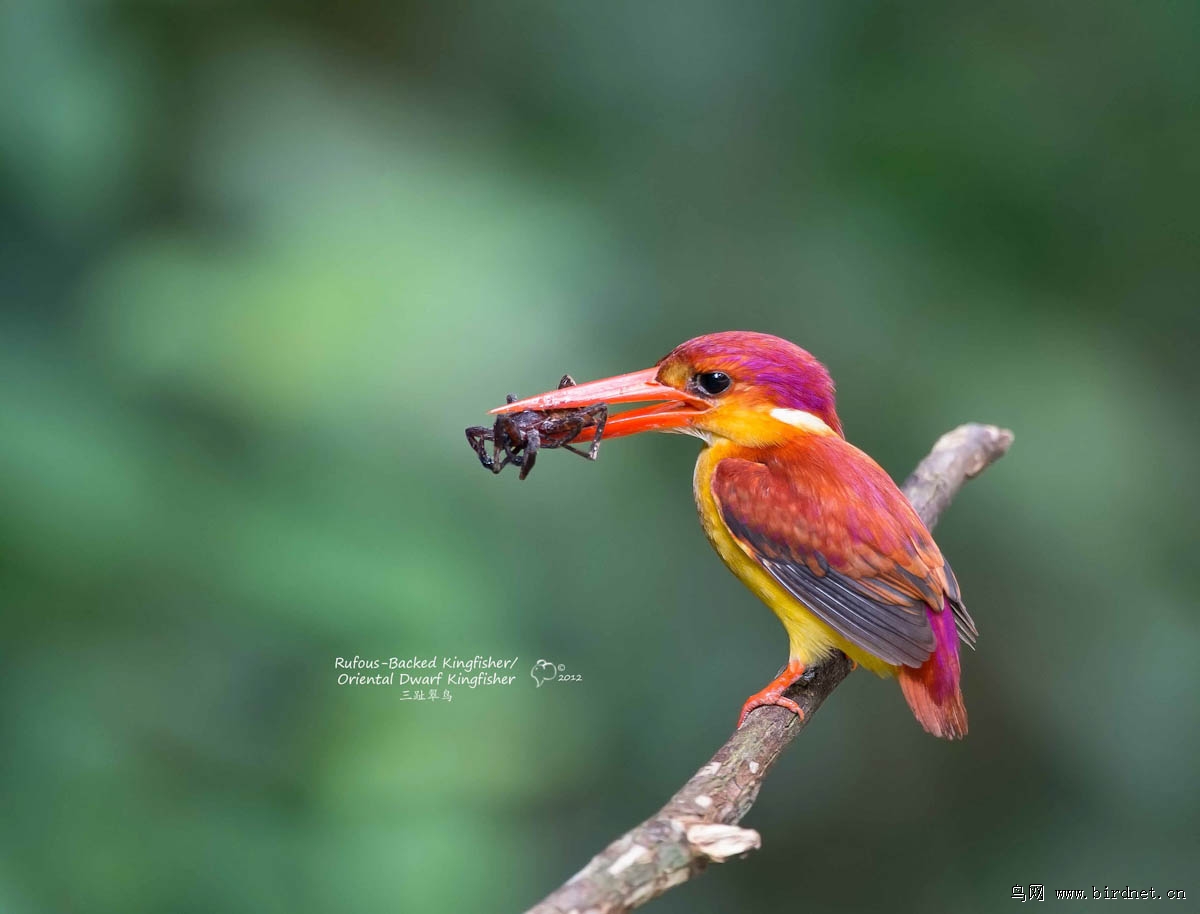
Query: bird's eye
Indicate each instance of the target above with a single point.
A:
(713, 382)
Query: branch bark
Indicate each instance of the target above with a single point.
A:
(699, 824)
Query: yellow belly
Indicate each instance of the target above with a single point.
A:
(809, 639)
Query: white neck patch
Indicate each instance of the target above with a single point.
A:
(800, 419)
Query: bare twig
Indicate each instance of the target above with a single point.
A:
(700, 823)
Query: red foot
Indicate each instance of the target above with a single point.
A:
(773, 693)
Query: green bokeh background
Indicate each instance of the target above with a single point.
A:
(260, 264)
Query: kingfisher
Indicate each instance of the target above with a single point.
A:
(811, 524)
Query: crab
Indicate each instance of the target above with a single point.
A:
(517, 437)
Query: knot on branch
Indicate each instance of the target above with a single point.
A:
(720, 842)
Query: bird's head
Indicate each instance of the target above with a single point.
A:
(749, 388)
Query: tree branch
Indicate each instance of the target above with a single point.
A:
(699, 823)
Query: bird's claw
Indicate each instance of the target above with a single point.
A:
(762, 700)
(773, 693)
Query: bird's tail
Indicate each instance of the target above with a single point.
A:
(932, 689)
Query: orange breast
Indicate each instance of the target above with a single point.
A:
(810, 639)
